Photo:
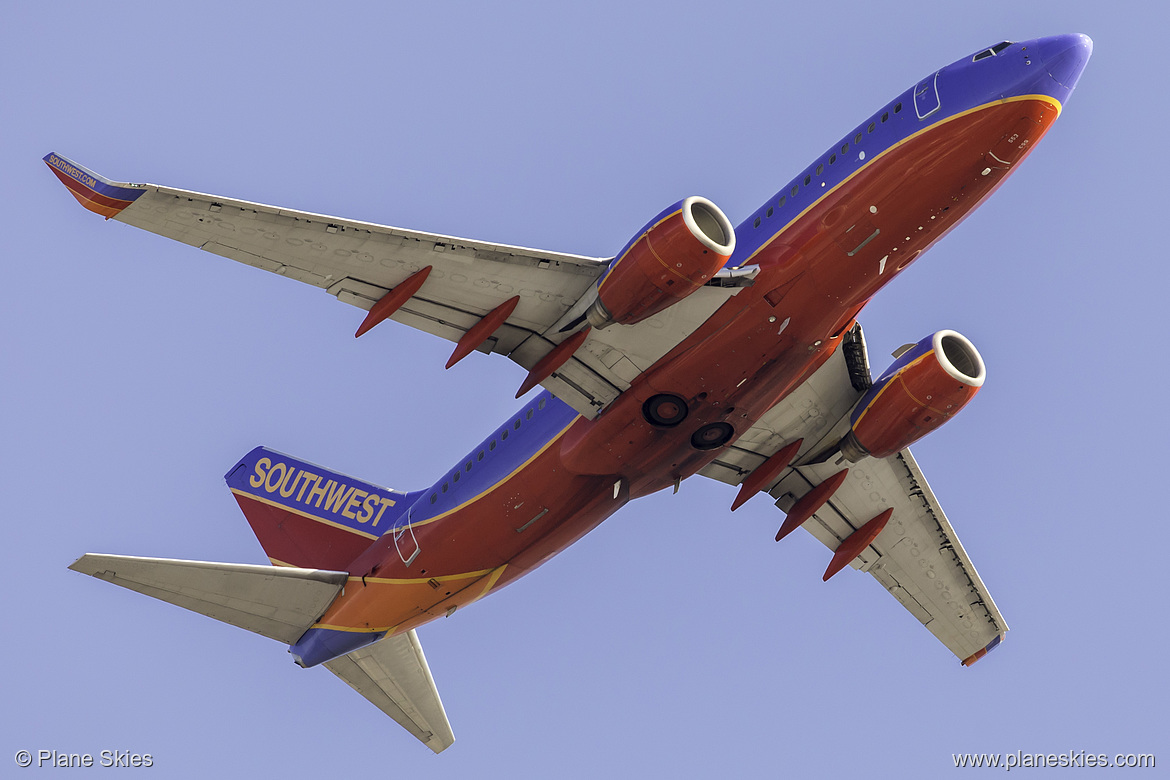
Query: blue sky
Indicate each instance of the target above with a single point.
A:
(677, 639)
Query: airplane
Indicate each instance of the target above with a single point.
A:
(731, 352)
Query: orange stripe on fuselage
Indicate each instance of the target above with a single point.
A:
(821, 289)
(479, 546)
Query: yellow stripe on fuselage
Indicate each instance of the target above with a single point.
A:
(498, 484)
(1046, 98)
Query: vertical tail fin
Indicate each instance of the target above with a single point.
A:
(308, 516)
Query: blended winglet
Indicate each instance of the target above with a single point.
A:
(96, 193)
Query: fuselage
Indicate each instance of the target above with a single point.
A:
(825, 244)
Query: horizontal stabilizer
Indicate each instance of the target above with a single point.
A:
(277, 602)
(393, 674)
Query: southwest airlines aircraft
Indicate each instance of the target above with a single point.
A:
(699, 348)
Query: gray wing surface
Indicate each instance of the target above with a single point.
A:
(359, 262)
(279, 602)
(393, 675)
(918, 558)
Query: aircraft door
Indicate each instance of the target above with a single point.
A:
(404, 539)
(926, 100)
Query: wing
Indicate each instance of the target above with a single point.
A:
(360, 263)
(276, 602)
(918, 557)
(393, 674)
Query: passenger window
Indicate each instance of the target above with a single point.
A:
(857, 139)
(434, 497)
(897, 108)
(541, 404)
(845, 148)
(756, 223)
(504, 435)
(528, 415)
(456, 477)
(807, 179)
(820, 169)
(781, 203)
(885, 116)
(516, 425)
(871, 128)
(832, 159)
(479, 456)
(444, 488)
(468, 466)
(492, 445)
(795, 189)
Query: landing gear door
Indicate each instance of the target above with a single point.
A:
(404, 539)
(926, 100)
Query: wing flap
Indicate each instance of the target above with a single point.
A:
(277, 602)
(394, 676)
(358, 262)
(812, 412)
(918, 558)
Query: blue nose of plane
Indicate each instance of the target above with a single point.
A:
(1065, 56)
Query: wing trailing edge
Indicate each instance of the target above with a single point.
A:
(277, 602)
(393, 675)
(281, 603)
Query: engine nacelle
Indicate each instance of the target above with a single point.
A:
(926, 386)
(675, 254)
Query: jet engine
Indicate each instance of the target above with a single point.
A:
(928, 383)
(675, 254)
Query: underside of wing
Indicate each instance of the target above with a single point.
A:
(916, 556)
(462, 282)
(277, 602)
(394, 676)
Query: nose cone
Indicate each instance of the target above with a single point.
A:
(1065, 56)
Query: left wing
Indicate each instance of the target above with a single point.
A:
(917, 558)
(360, 263)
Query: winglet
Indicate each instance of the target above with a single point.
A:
(96, 193)
(980, 653)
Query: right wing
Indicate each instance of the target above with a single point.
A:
(393, 674)
(918, 558)
(360, 262)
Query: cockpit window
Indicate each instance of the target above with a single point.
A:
(994, 50)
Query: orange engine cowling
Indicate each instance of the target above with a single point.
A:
(925, 386)
(677, 252)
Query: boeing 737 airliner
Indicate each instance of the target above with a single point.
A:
(699, 348)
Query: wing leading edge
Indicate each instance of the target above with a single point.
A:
(360, 263)
(281, 603)
(918, 557)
